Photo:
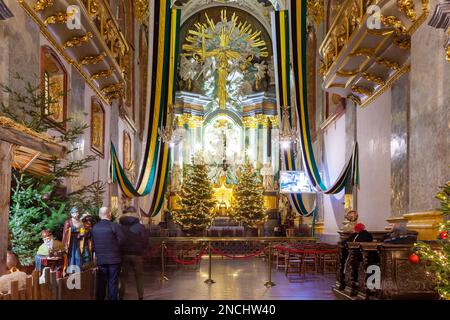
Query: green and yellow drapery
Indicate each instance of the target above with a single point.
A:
(155, 166)
(293, 27)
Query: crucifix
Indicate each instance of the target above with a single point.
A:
(221, 52)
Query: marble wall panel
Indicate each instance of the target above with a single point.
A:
(429, 122)
(399, 147)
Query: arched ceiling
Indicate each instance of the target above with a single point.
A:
(258, 8)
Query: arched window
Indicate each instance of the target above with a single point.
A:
(97, 127)
(54, 86)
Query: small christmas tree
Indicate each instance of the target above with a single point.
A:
(249, 198)
(439, 260)
(196, 199)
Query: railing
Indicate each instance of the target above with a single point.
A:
(207, 247)
(347, 21)
(48, 287)
(100, 13)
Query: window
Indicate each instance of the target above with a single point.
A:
(54, 86)
(97, 127)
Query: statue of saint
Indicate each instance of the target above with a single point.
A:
(268, 177)
(86, 239)
(175, 179)
(71, 239)
(50, 248)
(351, 218)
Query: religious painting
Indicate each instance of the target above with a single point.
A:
(126, 149)
(54, 86)
(97, 127)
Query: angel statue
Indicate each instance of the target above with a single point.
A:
(260, 74)
(175, 179)
(188, 70)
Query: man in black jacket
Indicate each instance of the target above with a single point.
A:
(107, 237)
(136, 239)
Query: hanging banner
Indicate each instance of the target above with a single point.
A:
(283, 25)
(155, 166)
(299, 36)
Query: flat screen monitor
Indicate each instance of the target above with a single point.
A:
(295, 182)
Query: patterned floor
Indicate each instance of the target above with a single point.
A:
(235, 279)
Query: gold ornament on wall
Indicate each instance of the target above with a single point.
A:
(78, 41)
(102, 74)
(40, 5)
(316, 11)
(93, 59)
(57, 18)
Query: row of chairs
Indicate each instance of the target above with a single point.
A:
(301, 259)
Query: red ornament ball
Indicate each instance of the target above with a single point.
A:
(414, 258)
(443, 235)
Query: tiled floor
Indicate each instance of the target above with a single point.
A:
(235, 279)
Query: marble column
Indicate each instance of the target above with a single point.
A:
(399, 147)
(429, 140)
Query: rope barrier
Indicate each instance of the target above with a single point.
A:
(192, 262)
(238, 257)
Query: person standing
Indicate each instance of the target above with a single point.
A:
(107, 238)
(133, 248)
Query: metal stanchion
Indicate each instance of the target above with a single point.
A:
(163, 269)
(269, 283)
(209, 280)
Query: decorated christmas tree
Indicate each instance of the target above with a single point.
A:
(249, 198)
(196, 198)
(439, 260)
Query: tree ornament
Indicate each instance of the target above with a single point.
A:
(443, 235)
(414, 258)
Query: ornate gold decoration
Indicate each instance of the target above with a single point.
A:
(93, 59)
(57, 18)
(250, 122)
(40, 5)
(388, 63)
(102, 74)
(141, 10)
(366, 52)
(316, 11)
(403, 42)
(78, 41)
(112, 88)
(373, 78)
(407, 6)
(362, 90)
(349, 73)
(394, 22)
(222, 52)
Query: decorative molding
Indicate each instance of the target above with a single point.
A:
(78, 41)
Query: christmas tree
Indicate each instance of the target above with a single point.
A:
(439, 260)
(196, 199)
(249, 198)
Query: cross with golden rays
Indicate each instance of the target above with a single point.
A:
(223, 53)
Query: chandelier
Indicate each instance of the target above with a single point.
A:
(169, 134)
(288, 135)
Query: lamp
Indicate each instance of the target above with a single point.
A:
(168, 134)
(288, 135)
